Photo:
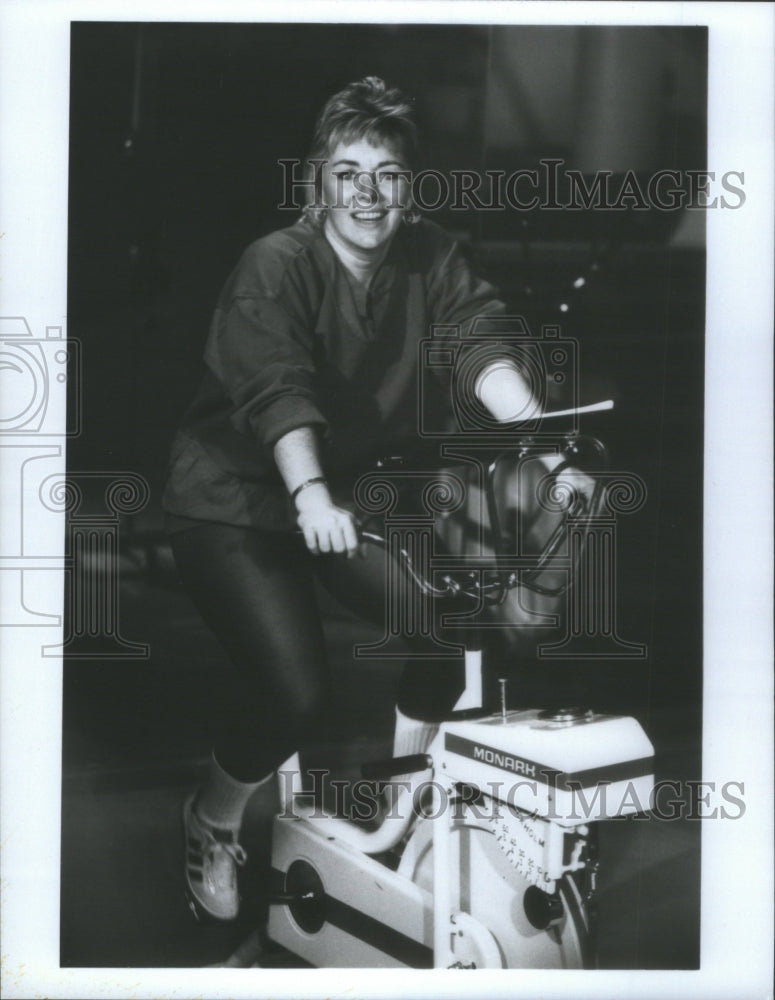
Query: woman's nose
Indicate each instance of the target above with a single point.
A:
(367, 191)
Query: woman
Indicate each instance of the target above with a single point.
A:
(311, 372)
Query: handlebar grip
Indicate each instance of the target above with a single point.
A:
(381, 770)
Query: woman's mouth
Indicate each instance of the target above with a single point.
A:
(372, 215)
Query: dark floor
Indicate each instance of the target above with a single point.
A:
(135, 739)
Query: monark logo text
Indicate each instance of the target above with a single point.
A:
(505, 761)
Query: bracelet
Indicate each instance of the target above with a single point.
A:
(308, 482)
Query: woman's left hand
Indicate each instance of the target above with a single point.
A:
(578, 484)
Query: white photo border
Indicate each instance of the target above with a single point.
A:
(737, 863)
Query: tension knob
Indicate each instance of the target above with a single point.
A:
(541, 909)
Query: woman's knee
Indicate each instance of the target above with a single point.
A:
(310, 705)
(429, 689)
(280, 709)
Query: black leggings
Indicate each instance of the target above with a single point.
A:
(255, 589)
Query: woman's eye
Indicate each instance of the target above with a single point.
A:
(345, 175)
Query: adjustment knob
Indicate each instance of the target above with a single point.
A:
(574, 714)
(541, 909)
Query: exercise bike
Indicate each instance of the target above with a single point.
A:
(485, 856)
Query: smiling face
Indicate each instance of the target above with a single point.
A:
(365, 194)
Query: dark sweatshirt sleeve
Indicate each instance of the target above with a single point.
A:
(262, 354)
(463, 304)
(458, 297)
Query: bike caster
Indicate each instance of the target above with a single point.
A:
(474, 944)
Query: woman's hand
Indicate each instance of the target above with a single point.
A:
(577, 484)
(326, 527)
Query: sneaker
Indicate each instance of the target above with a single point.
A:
(212, 858)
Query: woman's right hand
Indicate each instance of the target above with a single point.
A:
(326, 527)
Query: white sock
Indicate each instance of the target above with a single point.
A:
(222, 799)
(411, 736)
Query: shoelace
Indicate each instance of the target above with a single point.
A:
(235, 851)
(209, 843)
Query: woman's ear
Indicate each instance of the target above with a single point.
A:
(315, 209)
(411, 215)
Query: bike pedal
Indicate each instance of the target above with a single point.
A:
(287, 898)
